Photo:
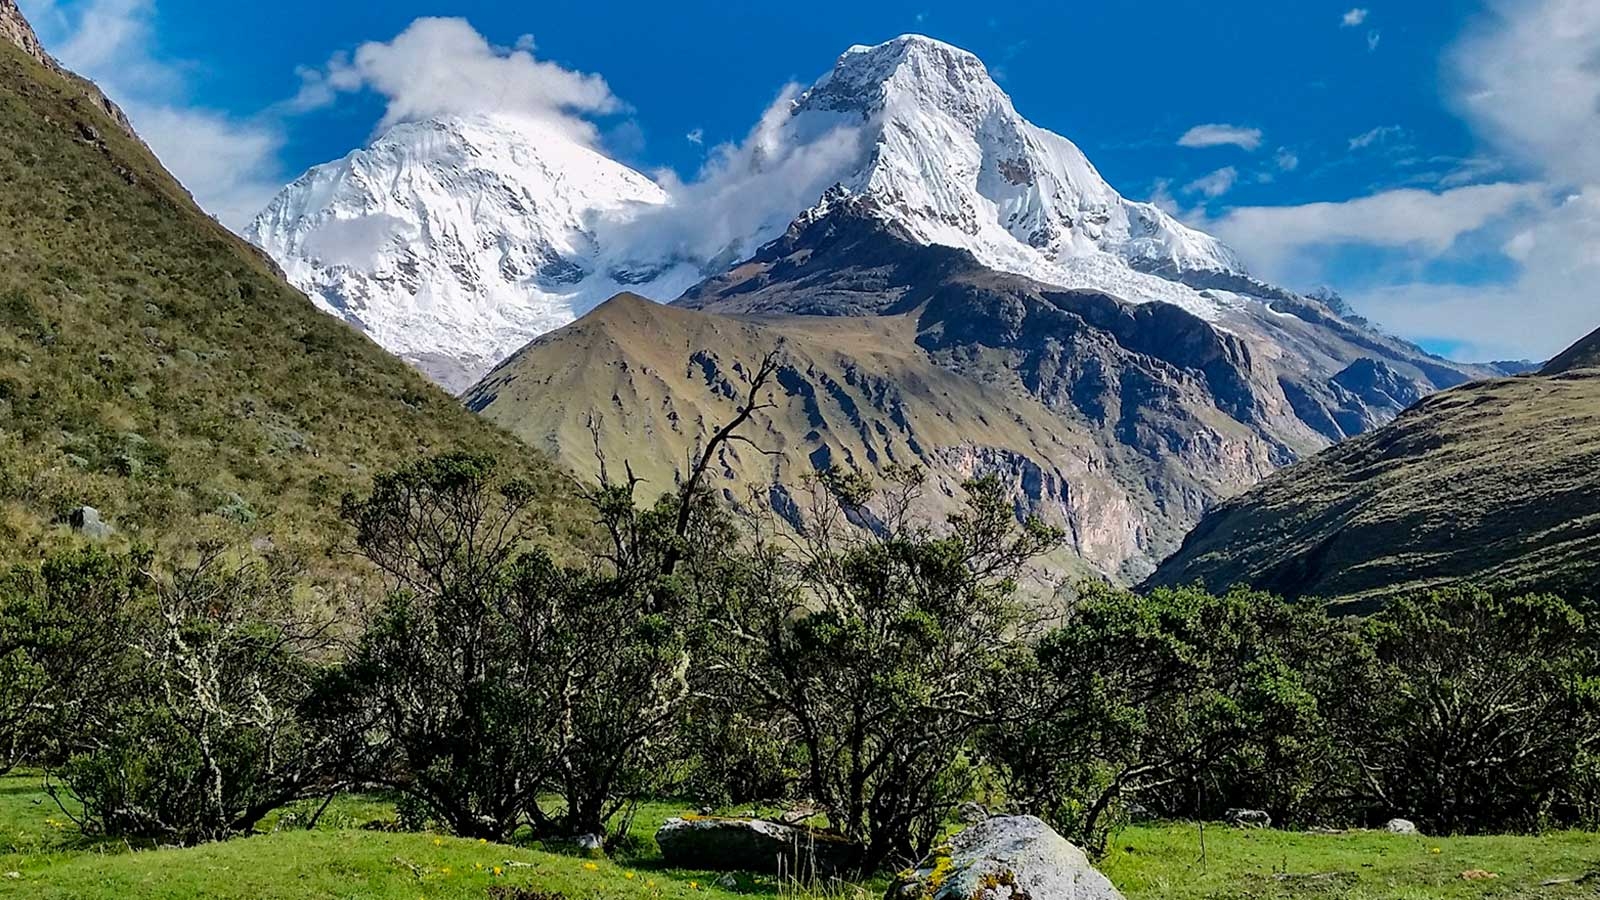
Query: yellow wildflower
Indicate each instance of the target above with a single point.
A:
(591, 867)
(1434, 850)
(437, 842)
(694, 885)
(483, 840)
(499, 871)
(628, 876)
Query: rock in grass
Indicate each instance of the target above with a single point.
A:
(1006, 858)
(1400, 826)
(753, 845)
(1248, 818)
(591, 844)
(86, 521)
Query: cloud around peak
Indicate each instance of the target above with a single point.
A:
(443, 66)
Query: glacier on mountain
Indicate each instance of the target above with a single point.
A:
(453, 241)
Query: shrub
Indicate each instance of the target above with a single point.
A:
(63, 629)
(872, 649)
(492, 676)
(201, 734)
(1178, 698)
(1470, 712)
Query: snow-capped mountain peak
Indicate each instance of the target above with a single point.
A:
(949, 154)
(454, 241)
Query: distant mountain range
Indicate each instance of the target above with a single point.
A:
(962, 293)
(453, 241)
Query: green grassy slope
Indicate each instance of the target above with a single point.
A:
(1165, 862)
(156, 367)
(1151, 862)
(1493, 482)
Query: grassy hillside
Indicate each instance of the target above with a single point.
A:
(1492, 482)
(157, 368)
(1151, 862)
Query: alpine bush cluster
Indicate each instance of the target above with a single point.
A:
(877, 676)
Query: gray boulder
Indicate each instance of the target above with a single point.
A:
(1248, 818)
(753, 845)
(1006, 858)
(591, 844)
(1400, 826)
(86, 521)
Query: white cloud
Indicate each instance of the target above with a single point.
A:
(1287, 160)
(1353, 18)
(697, 136)
(229, 164)
(1214, 184)
(232, 164)
(745, 192)
(1545, 308)
(1378, 135)
(1277, 239)
(1374, 37)
(1528, 79)
(440, 66)
(1217, 135)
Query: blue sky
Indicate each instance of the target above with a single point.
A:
(1405, 152)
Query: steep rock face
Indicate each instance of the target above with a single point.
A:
(1490, 482)
(15, 28)
(454, 241)
(946, 152)
(850, 391)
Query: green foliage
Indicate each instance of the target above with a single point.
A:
(197, 734)
(1474, 712)
(1459, 709)
(63, 625)
(872, 651)
(492, 677)
(1179, 698)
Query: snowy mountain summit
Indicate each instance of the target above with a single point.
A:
(454, 241)
(948, 156)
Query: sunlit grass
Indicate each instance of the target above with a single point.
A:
(344, 857)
